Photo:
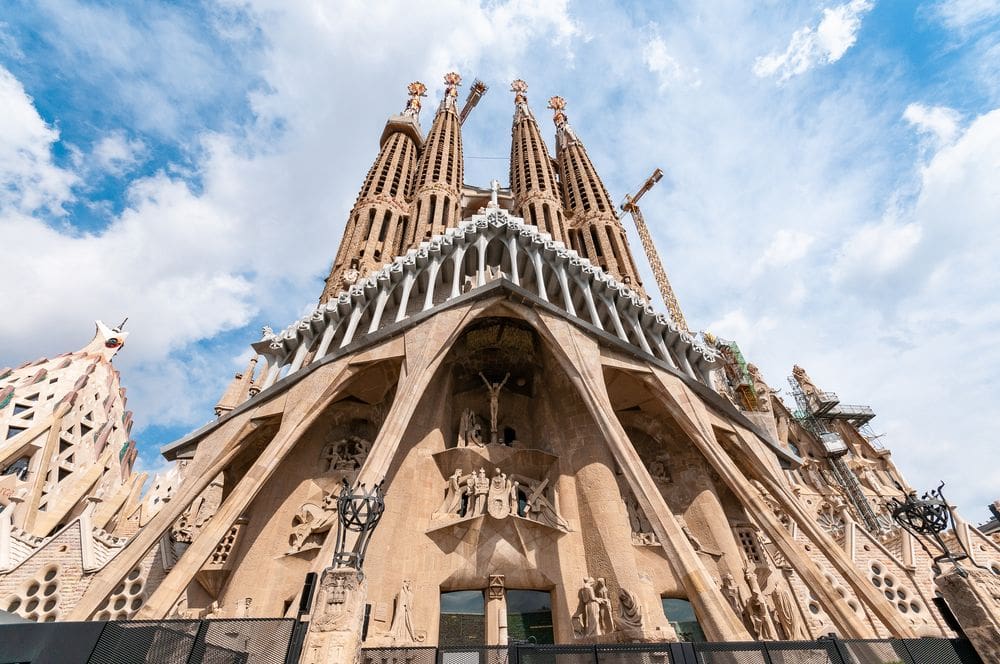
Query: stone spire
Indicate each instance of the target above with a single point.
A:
(65, 437)
(241, 388)
(378, 220)
(593, 227)
(436, 201)
(533, 182)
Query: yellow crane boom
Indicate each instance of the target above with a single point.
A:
(630, 205)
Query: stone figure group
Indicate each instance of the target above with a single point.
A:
(764, 610)
(593, 615)
(476, 494)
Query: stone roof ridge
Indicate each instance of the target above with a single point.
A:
(289, 347)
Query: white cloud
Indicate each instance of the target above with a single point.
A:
(660, 62)
(939, 122)
(876, 249)
(29, 180)
(963, 14)
(116, 153)
(824, 44)
(257, 234)
(787, 247)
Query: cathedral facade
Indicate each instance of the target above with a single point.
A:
(561, 461)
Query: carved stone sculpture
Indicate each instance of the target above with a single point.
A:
(481, 491)
(541, 510)
(587, 619)
(604, 603)
(758, 611)
(629, 611)
(453, 493)
(402, 630)
(494, 390)
(731, 590)
(498, 501)
(312, 519)
(470, 432)
(336, 588)
(788, 615)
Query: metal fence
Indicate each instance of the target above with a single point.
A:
(223, 641)
(823, 651)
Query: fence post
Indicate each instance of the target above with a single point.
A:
(197, 652)
(298, 637)
(764, 651)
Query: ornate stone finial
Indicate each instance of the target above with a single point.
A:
(519, 87)
(558, 104)
(451, 81)
(416, 90)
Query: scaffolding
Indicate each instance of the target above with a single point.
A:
(738, 374)
(810, 413)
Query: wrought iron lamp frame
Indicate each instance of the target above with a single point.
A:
(358, 511)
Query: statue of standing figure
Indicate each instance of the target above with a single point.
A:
(494, 390)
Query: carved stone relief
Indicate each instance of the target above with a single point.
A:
(345, 454)
(593, 612)
(758, 610)
(334, 608)
(402, 630)
(475, 494)
(310, 522)
(629, 611)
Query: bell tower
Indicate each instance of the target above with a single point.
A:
(437, 195)
(594, 229)
(533, 180)
(378, 221)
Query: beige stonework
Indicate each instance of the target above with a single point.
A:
(538, 426)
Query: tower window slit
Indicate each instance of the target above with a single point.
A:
(614, 248)
(534, 216)
(385, 226)
(445, 208)
(548, 218)
(371, 222)
(597, 243)
(432, 211)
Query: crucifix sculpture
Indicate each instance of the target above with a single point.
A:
(494, 390)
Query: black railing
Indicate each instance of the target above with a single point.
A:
(223, 641)
(823, 651)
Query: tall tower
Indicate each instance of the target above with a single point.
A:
(594, 229)
(378, 220)
(437, 196)
(533, 180)
(65, 441)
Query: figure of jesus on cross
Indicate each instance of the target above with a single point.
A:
(494, 390)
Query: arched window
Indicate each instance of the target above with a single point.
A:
(680, 614)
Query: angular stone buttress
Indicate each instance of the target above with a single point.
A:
(538, 425)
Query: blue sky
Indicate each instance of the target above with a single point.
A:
(830, 196)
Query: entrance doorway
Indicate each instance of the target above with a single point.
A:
(463, 618)
(529, 616)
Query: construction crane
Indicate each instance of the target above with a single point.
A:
(630, 205)
(476, 93)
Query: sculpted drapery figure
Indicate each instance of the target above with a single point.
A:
(758, 611)
(630, 611)
(604, 603)
(402, 630)
(587, 619)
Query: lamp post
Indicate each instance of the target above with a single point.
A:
(358, 511)
(929, 516)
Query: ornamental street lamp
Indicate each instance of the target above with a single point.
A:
(930, 515)
(358, 511)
